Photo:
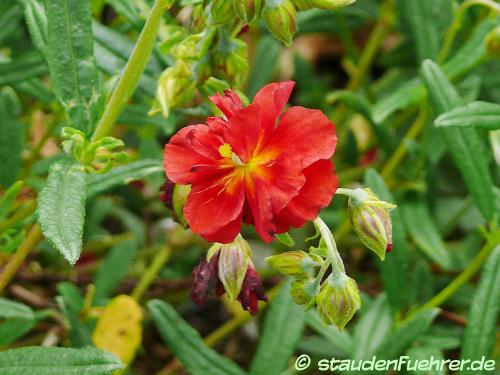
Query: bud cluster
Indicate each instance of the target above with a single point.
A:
(336, 295)
(96, 157)
(216, 51)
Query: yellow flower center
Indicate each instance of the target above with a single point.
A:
(225, 150)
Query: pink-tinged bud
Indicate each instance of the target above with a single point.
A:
(233, 264)
(298, 264)
(338, 300)
(252, 291)
(371, 221)
(179, 197)
(281, 19)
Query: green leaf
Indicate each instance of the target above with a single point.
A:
(22, 67)
(113, 269)
(36, 18)
(11, 309)
(187, 345)
(353, 101)
(479, 336)
(98, 183)
(285, 239)
(422, 17)
(400, 338)
(72, 66)
(282, 330)
(341, 340)
(425, 353)
(11, 137)
(464, 144)
(14, 328)
(57, 361)
(371, 329)
(61, 209)
(476, 114)
(424, 232)
(394, 269)
(9, 21)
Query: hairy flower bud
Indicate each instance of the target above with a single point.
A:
(303, 291)
(247, 9)
(371, 221)
(233, 265)
(295, 263)
(175, 87)
(338, 300)
(221, 11)
(280, 17)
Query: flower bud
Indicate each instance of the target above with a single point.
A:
(294, 263)
(233, 265)
(280, 17)
(231, 60)
(247, 9)
(180, 195)
(303, 4)
(221, 11)
(371, 221)
(338, 300)
(492, 42)
(188, 48)
(175, 87)
(303, 291)
(252, 291)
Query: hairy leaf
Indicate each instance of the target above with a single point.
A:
(61, 209)
(476, 114)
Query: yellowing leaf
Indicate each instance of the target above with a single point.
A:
(119, 328)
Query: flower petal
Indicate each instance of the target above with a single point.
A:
(268, 190)
(226, 234)
(317, 192)
(305, 135)
(272, 98)
(229, 103)
(214, 205)
(192, 155)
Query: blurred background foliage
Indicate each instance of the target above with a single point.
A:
(383, 71)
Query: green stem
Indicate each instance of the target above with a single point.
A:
(464, 276)
(132, 72)
(333, 256)
(29, 243)
(151, 273)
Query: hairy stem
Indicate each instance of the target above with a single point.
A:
(132, 72)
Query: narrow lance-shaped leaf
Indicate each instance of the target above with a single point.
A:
(72, 66)
(282, 330)
(187, 345)
(482, 115)
(57, 361)
(61, 209)
(464, 145)
(479, 337)
(11, 137)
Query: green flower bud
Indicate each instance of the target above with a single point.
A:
(280, 17)
(371, 221)
(175, 87)
(304, 291)
(295, 263)
(179, 198)
(221, 11)
(247, 9)
(188, 49)
(233, 264)
(338, 300)
(492, 42)
(303, 4)
(231, 59)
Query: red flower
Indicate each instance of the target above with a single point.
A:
(254, 166)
